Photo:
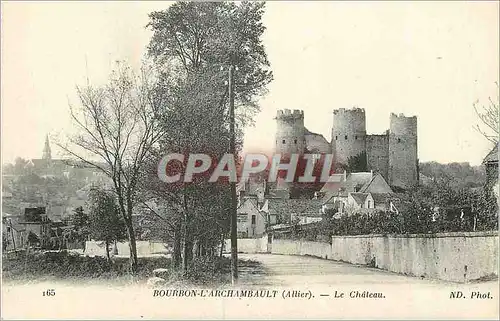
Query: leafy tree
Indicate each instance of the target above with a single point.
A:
(8, 169)
(191, 42)
(81, 222)
(357, 163)
(19, 166)
(105, 221)
(486, 207)
(460, 175)
(203, 36)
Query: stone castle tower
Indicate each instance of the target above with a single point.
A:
(46, 150)
(394, 153)
(290, 132)
(403, 156)
(348, 134)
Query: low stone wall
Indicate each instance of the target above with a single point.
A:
(289, 247)
(144, 248)
(457, 257)
(257, 245)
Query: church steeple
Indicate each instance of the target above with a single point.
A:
(46, 149)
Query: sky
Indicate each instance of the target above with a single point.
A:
(429, 59)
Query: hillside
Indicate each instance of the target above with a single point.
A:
(460, 175)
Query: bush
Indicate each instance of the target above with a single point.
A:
(208, 269)
(64, 265)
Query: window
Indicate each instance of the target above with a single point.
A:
(399, 140)
(283, 141)
(345, 136)
(369, 204)
(336, 137)
(355, 137)
(253, 219)
(295, 141)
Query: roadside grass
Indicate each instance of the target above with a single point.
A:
(69, 267)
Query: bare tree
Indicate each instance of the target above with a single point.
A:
(118, 125)
(489, 115)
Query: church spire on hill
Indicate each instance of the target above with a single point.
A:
(46, 149)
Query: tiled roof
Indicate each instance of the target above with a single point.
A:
(295, 207)
(380, 198)
(328, 196)
(333, 183)
(252, 200)
(354, 182)
(366, 187)
(492, 155)
(359, 198)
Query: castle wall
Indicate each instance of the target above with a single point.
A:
(317, 144)
(394, 154)
(348, 133)
(377, 153)
(290, 132)
(403, 154)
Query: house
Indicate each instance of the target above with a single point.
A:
(13, 232)
(491, 165)
(354, 182)
(369, 201)
(367, 190)
(332, 186)
(289, 210)
(252, 218)
(37, 224)
(360, 200)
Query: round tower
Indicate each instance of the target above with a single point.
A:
(348, 134)
(290, 137)
(403, 153)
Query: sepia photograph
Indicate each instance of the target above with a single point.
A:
(252, 160)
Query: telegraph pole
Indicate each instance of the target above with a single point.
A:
(234, 215)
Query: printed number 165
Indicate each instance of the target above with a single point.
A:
(50, 292)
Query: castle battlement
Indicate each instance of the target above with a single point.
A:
(402, 125)
(393, 153)
(287, 114)
(349, 110)
(402, 116)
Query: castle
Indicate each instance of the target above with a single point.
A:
(392, 154)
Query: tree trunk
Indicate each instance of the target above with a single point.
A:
(177, 247)
(222, 244)
(188, 245)
(188, 251)
(196, 249)
(107, 251)
(132, 245)
(188, 237)
(131, 237)
(203, 249)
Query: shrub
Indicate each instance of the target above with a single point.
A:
(65, 265)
